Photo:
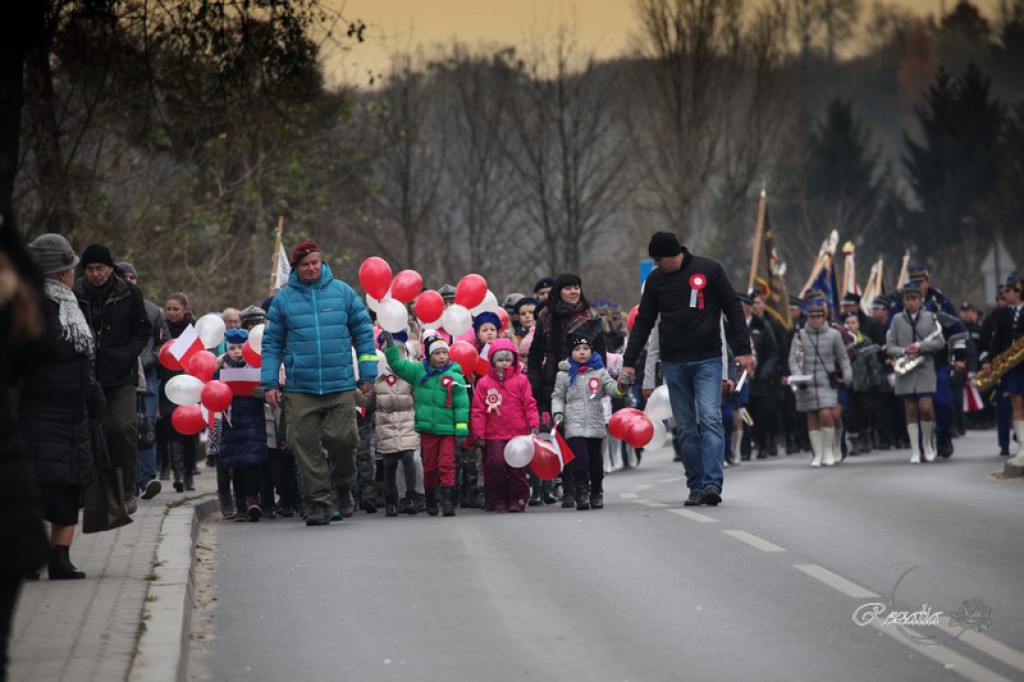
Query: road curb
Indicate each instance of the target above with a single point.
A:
(162, 650)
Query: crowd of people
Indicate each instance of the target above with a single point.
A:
(347, 417)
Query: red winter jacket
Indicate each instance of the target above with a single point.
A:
(503, 408)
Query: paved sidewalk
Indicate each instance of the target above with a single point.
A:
(89, 629)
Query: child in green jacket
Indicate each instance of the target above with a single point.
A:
(442, 414)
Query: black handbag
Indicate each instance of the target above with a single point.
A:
(145, 432)
(103, 498)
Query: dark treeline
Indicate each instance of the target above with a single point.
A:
(179, 132)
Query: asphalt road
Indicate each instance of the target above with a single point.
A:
(763, 587)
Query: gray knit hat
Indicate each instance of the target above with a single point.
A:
(52, 253)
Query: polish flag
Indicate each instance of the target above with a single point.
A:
(186, 345)
(242, 380)
(972, 398)
(209, 417)
(562, 448)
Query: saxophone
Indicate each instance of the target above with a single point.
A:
(906, 364)
(1001, 365)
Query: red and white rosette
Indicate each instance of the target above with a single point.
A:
(493, 400)
(698, 281)
(392, 379)
(446, 384)
(594, 384)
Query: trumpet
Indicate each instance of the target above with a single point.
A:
(908, 364)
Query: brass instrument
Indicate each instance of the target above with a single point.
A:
(1001, 366)
(907, 364)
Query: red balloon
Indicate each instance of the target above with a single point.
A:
(465, 354)
(406, 286)
(375, 276)
(188, 419)
(632, 317)
(250, 355)
(471, 291)
(545, 462)
(202, 365)
(619, 421)
(166, 359)
(483, 367)
(428, 307)
(639, 431)
(503, 316)
(617, 425)
(216, 396)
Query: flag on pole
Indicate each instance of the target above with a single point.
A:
(823, 276)
(850, 285)
(562, 448)
(972, 397)
(875, 286)
(903, 270)
(186, 346)
(280, 268)
(767, 270)
(242, 380)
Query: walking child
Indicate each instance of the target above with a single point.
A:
(442, 414)
(503, 408)
(243, 437)
(397, 441)
(581, 383)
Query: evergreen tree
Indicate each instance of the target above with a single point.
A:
(843, 182)
(954, 168)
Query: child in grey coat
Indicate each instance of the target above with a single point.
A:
(581, 383)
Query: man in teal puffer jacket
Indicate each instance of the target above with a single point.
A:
(312, 326)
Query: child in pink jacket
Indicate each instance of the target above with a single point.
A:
(503, 408)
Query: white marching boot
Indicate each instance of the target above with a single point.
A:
(1018, 459)
(815, 438)
(927, 431)
(828, 442)
(915, 454)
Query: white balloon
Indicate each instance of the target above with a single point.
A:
(490, 303)
(457, 320)
(256, 338)
(519, 451)
(372, 303)
(660, 435)
(436, 324)
(184, 389)
(210, 328)
(393, 316)
(658, 405)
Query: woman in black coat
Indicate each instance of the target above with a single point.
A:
(567, 311)
(59, 403)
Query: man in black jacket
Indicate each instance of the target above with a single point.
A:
(763, 398)
(116, 312)
(691, 294)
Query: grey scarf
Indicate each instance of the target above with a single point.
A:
(73, 327)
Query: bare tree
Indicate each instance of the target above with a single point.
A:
(568, 150)
(408, 158)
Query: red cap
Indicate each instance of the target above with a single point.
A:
(303, 249)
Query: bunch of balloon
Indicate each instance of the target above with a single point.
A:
(632, 426)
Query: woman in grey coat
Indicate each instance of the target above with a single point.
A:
(818, 352)
(915, 334)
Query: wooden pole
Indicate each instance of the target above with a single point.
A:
(758, 234)
(277, 255)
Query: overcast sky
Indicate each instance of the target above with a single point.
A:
(609, 27)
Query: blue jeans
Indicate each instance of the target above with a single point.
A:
(147, 457)
(695, 392)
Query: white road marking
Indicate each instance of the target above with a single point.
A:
(753, 541)
(650, 503)
(943, 654)
(645, 486)
(628, 496)
(695, 516)
(674, 479)
(986, 645)
(836, 582)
